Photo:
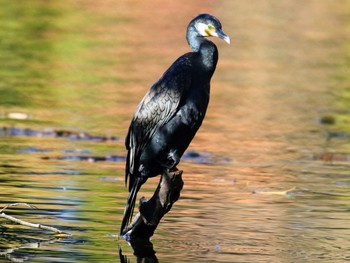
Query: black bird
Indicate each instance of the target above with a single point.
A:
(172, 111)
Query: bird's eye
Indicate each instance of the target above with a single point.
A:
(211, 27)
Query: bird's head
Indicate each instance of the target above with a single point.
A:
(209, 26)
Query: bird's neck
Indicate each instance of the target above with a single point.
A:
(209, 55)
(207, 51)
(193, 39)
(204, 47)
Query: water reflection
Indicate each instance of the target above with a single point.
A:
(277, 121)
(143, 251)
(27, 46)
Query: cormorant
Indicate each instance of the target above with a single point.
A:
(172, 111)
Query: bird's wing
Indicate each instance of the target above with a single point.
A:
(156, 108)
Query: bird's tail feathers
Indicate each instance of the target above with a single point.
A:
(130, 204)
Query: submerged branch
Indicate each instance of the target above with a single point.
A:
(151, 211)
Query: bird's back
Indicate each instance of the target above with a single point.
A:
(157, 107)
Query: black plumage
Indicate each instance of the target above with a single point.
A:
(172, 111)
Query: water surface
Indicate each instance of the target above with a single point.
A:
(267, 176)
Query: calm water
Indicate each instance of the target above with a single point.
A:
(267, 178)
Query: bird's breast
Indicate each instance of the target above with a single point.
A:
(191, 114)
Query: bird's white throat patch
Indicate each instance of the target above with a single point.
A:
(202, 29)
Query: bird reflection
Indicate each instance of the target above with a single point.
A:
(143, 251)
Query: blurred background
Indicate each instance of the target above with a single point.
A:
(267, 176)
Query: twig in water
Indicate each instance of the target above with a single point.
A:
(25, 223)
(15, 204)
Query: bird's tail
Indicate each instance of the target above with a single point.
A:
(130, 204)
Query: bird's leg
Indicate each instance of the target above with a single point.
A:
(152, 210)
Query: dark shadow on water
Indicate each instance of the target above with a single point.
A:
(88, 158)
(86, 155)
(68, 134)
(190, 156)
(204, 158)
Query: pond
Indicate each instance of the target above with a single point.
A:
(267, 176)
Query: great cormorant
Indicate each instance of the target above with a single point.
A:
(172, 110)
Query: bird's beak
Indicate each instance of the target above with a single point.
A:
(223, 36)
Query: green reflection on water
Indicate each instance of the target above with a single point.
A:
(24, 52)
(53, 64)
(342, 80)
